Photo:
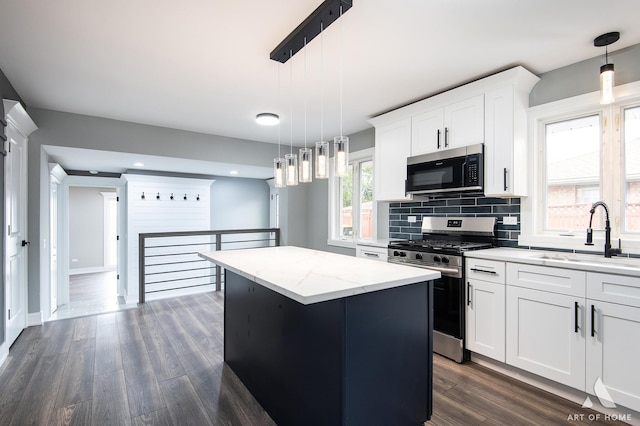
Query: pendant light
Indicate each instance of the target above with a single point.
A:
(278, 163)
(606, 70)
(341, 143)
(291, 159)
(322, 146)
(306, 154)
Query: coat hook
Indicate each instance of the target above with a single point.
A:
(185, 197)
(198, 197)
(171, 196)
(142, 196)
(158, 196)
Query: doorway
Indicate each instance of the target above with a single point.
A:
(90, 253)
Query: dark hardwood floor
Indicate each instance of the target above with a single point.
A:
(161, 364)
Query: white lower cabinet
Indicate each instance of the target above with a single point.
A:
(545, 335)
(485, 319)
(578, 328)
(613, 338)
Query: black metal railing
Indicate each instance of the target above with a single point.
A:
(169, 261)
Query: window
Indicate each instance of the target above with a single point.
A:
(352, 209)
(583, 152)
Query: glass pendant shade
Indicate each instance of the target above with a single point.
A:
(292, 169)
(278, 172)
(322, 160)
(306, 160)
(606, 84)
(341, 155)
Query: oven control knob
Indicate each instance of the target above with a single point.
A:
(436, 258)
(403, 254)
(418, 256)
(445, 260)
(396, 253)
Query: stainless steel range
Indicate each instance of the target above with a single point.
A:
(444, 241)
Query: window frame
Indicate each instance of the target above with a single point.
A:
(612, 175)
(355, 158)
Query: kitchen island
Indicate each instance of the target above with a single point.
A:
(325, 339)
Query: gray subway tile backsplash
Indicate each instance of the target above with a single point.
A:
(507, 235)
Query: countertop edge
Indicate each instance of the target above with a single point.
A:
(427, 275)
(517, 255)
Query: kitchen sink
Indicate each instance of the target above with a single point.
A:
(589, 259)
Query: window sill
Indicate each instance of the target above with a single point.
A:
(342, 243)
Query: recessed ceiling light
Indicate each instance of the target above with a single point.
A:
(138, 164)
(267, 119)
(93, 172)
(233, 172)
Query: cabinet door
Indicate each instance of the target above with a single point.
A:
(545, 335)
(498, 148)
(486, 319)
(427, 132)
(464, 123)
(393, 145)
(612, 352)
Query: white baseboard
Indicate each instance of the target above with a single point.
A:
(93, 270)
(4, 353)
(34, 318)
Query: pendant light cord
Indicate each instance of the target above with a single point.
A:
(278, 102)
(341, 60)
(321, 81)
(291, 100)
(305, 93)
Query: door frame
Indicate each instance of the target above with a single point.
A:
(19, 121)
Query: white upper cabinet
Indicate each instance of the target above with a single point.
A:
(451, 126)
(492, 110)
(505, 148)
(393, 146)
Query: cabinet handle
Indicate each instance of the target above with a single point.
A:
(371, 254)
(438, 139)
(505, 179)
(446, 137)
(575, 317)
(468, 293)
(483, 270)
(593, 320)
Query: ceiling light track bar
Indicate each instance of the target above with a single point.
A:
(321, 18)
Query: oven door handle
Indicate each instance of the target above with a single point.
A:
(444, 271)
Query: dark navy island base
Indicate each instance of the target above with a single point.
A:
(357, 360)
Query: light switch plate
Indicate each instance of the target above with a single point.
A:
(411, 219)
(509, 220)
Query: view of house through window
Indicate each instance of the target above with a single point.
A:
(632, 169)
(354, 214)
(572, 149)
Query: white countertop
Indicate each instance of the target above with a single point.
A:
(311, 276)
(583, 262)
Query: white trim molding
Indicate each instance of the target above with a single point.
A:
(34, 318)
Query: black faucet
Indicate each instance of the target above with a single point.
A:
(608, 251)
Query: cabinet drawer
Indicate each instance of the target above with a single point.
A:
(555, 280)
(485, 270)
(376, 253)
(614, 289)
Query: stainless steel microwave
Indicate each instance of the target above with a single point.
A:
(457, 170)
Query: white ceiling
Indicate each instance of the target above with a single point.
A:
(204, 65)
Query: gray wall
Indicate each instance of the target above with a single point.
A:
(86, 227)
(73, 130)
(584, 77)
(6, 92)
(238, 203)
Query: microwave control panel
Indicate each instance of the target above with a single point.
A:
(473, 171)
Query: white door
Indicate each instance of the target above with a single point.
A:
(464, 123)
(393, 146)
(427, 132)
(53, 241)
(16, 242)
